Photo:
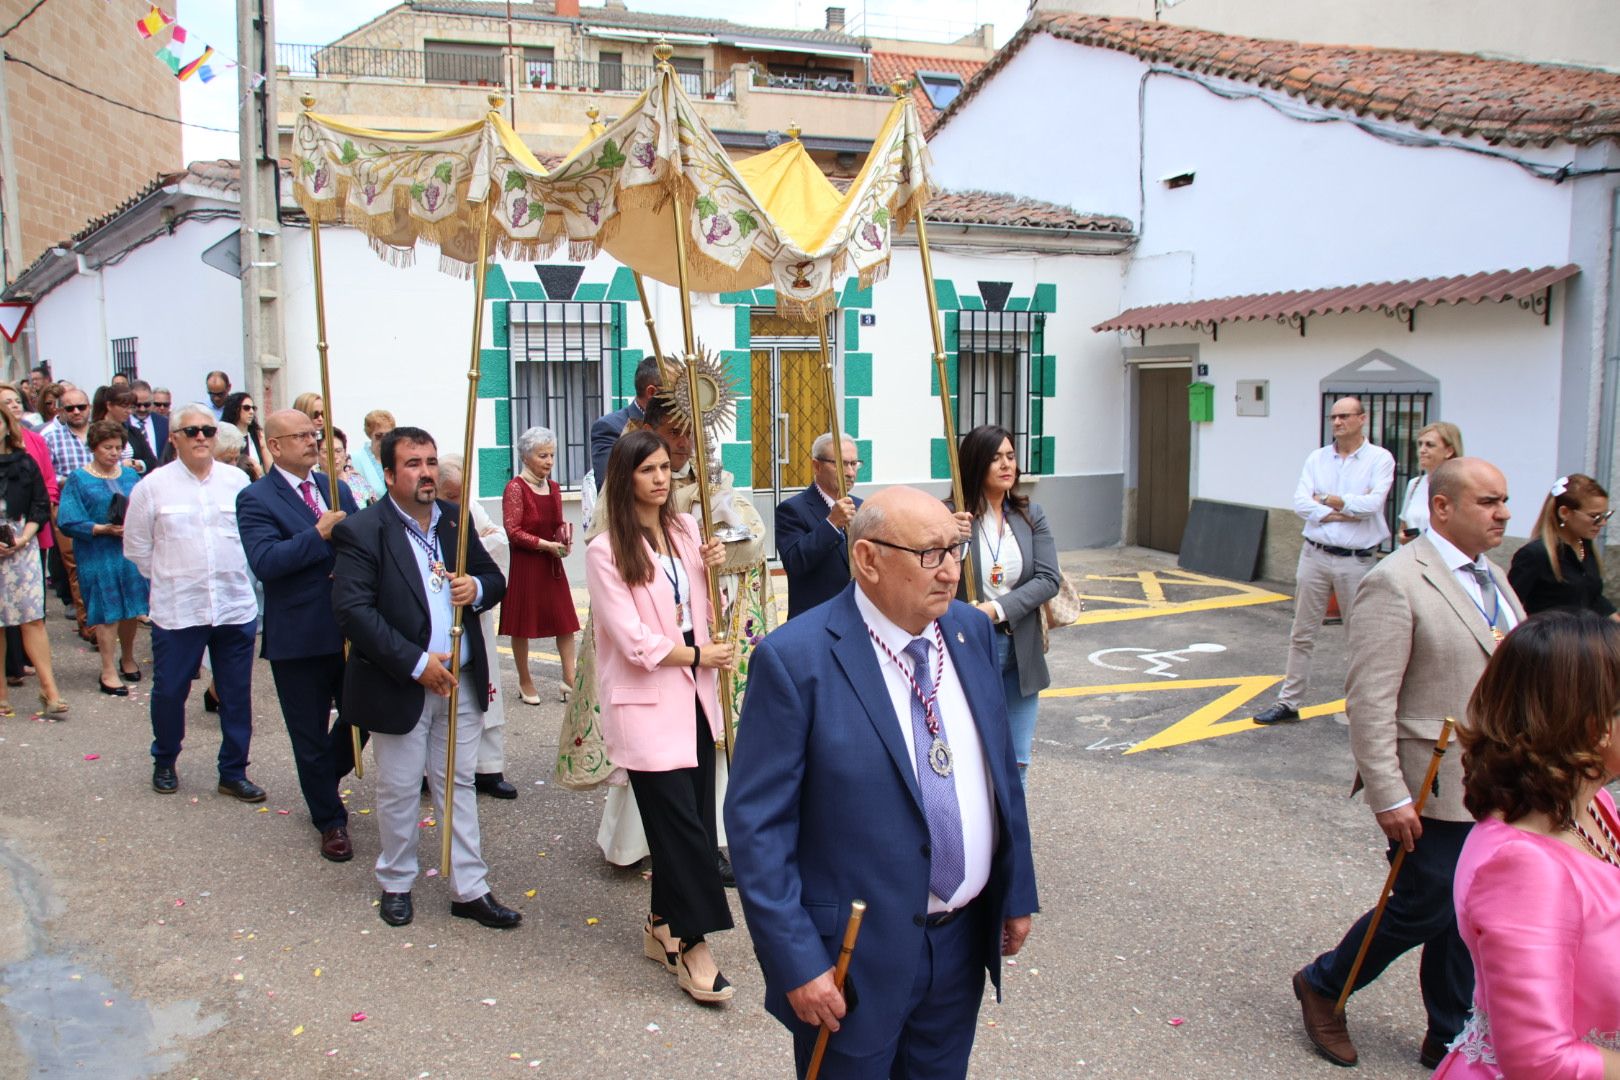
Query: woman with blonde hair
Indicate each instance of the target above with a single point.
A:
(367, 455)
(1437, 442)
(310, 404)
(1559, 567)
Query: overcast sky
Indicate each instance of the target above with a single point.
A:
(316, 22)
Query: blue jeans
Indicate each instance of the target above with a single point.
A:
(1021, 710)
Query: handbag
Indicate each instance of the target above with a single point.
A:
(1062, 610)
(118, 505)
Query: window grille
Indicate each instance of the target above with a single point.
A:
(995, 377)
(561, 354)
(123, 349)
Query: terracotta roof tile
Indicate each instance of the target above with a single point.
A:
(1500, 101)
(996, 208)
(888, 66)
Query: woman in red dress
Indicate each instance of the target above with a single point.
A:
(538, 601)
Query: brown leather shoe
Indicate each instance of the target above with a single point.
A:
(335, 845)
(1325, 1028)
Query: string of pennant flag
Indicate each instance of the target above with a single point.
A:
(159, 26)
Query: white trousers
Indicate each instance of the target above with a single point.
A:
(492, 747)
(1319, 576)
(400, 763)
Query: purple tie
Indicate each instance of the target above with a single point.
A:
(307, 489)
(948, 862)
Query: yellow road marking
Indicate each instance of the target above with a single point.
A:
(1153, 603)
(1207, 721)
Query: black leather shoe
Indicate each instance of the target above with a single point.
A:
(115, 691)
(728, 877)
(396, 909)
(243, 789)
(1432, 1052)
(164, 782)
(487, 911)
(1276, 714)
(494, 784)
(210, 702)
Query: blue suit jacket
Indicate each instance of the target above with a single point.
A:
(294, 563)
(823, 808)
(604, 433)
(813, 553)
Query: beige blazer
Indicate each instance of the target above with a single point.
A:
(1418, 644)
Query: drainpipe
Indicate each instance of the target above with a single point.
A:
(86, 270)
(1611, 352)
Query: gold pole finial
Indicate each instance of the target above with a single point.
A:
(496, 101)
(593, 113)
(307, 100)
(794, 130)
(663, 51)
(900, 87)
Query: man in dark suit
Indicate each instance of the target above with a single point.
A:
(394, 593)
(154, 426)
(607, 429)
(884, 706)
(810, 528)
(286, 525)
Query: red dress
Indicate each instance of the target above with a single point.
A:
(538, 602)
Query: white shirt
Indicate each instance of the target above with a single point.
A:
(1459, 564)
(831, 502)
(974, 796)
(1415, 514)
(180, 532)
(441, 612)
(1362, 479)
(674, 571)
(1003, 551)
(292, 479)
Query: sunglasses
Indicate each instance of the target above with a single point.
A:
(164, 405)
(207, 431)
(74, 408)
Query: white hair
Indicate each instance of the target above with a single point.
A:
(206, 412)
(228, 443)
(530, 441)
(824, 443)
(451, 465)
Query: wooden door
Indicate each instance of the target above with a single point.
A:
(789, 403)
(1163, 456)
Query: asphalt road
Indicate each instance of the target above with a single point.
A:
(1182, 885)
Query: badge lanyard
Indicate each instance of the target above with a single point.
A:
(998, 573)
(940, 758)
(436, 570)
(674, 579)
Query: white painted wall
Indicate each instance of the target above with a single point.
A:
(188, 316)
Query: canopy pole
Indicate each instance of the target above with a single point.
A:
(700, 448)
(462, 535)
(901, 90)
(837, 432)
(664, 375)
(308, 101)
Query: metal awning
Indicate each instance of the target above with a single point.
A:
(764, 44)
(1532, 288)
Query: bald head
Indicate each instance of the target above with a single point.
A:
(1468, 504)
(290, 435)
(1347, 418)
(887, 533)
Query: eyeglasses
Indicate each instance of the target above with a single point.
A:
(855, 462)
(1597, 518)
(143, 405)
(930, 558)
(207, 431)
(1343, 415)
(74, 408)
(164, 405)
(317, 416)
(295, 435)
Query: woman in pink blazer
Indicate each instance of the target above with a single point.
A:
(1538, 883)
(655, 680)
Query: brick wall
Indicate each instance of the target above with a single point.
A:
(78, 158)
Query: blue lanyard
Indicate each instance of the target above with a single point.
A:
(1496, 606)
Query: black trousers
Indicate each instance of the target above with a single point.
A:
(677, 813)
(1420, 913)
(308, 688)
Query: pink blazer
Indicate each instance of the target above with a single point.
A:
(648, 711)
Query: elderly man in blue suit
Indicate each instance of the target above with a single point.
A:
(607, 429)
(286, 526)
(874, 762)
(810, 527)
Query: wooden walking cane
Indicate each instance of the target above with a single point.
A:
(852, 930)
(1394, 867)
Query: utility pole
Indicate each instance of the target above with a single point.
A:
(263, 337)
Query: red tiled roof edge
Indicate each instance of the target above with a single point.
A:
(1012, 211)
(1500, 101)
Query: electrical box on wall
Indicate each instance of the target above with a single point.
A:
(1200, 402)
(1254, 397)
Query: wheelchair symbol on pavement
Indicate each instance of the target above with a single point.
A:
(1153, 662)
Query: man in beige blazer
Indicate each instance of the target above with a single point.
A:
(1427, 619)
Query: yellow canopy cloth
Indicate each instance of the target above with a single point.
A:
(765, 221)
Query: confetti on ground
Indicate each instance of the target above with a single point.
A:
(357, 1017)
(194, 800)
(237, 977)
(108, 1002)
(541, 854)
(487, 1001)
(431, 872)
(654, 1028)
(332, 1052)
(179, 903)
(75, 978)
(426, 823)
(283, 811)
(1176, 1021)
(992, 1023)
(92, 757)
(530, 893)
(515, 1057)
(535, 1064)
(264, 810)
(592, 921)
(299, 1030)
(348, 791)
(367, 810)
(317, 973)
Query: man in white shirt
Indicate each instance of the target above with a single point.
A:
(219, 388)
(1340, 494)
(1427, 620)
(180, 532)
(874, 760)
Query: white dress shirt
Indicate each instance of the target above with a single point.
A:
(441, 612)
(1362, 479)
(1459, 564)
(831, 502)
(295, 483)
(1415, 514)
(180, 532)
(1003, 550)
(972, 774)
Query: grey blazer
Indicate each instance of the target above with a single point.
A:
(1418, 644)
(1037, 583)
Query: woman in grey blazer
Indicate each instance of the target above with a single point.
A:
(1015, 560)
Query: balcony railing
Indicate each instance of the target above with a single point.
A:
(487, 69)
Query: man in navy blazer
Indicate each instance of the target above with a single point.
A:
(810, 528)
(607, 429)
(861, 775)
(286, 529)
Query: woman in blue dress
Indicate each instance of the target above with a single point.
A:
(115, 594)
